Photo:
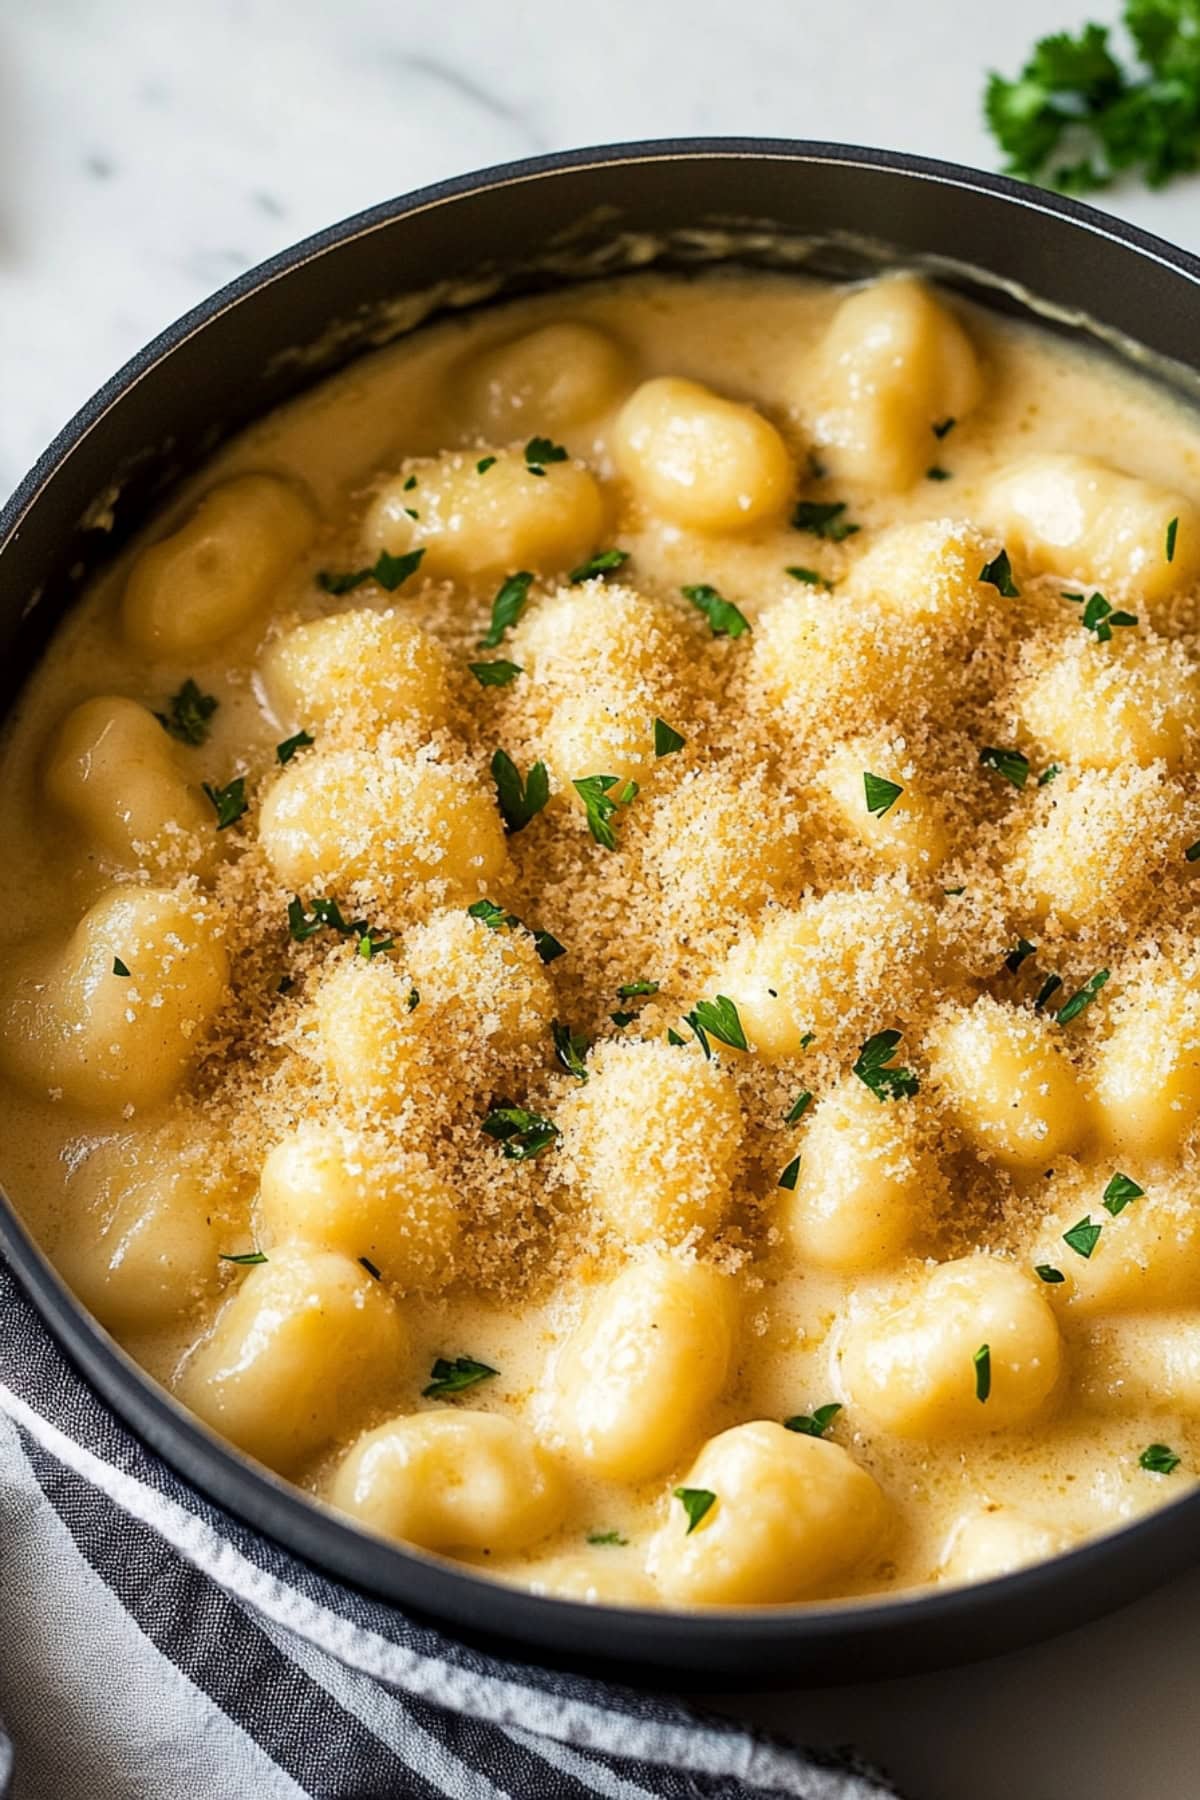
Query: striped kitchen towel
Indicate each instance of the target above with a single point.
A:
(151, 1648)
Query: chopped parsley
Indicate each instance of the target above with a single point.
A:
(454, 1375)
(1047, 991)
(886, 1083)
(634, 990)
(935, 472)
(1083, 1237)
(507, 607)
(1098, 616)
(998, 574)
(1019, 954)
(410, 484)
(1119, 1192)
(1010, 763)
(666, 740)
(229, 802)
(810, 577)
(495, 674)
(541, 450)
(285, 984)
(369, 1266)
(881, 793)
(246, 1260)
(790, 1175)
(188, 713)
(982, 1360)
(1083, 997)
(725, 619)
(798, 1108)
(716, 1018)
(373, 943)
(603, 563)
(606, 1537)
(570, 1048)
(548, 947)
(622, 1019)
(817, 1422)
(1049, 1274)
(119, 967)
(697, 1503)
(1048, 775)
(600, 804)
(1158, 1459)
(1192, 853)
(299, 740)
(944, 428)
(824, 519)
(522, 1134)
(521, 799)
(389, 571)
(1172, 534)
(484, 464)
(1076, 117)
(414, 999)
(497, 919)
(674, 1039)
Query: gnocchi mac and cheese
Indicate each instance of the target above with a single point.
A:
(601, 960)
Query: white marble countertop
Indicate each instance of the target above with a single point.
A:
(150, 152)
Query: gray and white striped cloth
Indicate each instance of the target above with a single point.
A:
(151, 1648)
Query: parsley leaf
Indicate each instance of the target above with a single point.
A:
(944, 428)
(493, 916)
(1098, 616)
(606, 1537)
(873, 1071)
(1049, 1274)
(1083, 997)
(1047, 991)
(541, 450)
(507, 607)
(484, 464)
(622, 1019)
(697, 1502)
(1083, 1237)
(982, 1360)
(570, 1048)
(369, 1266)
(723, 616)
(824, 519)
(603, 563)
(633, 990)
(1119, 1192)
(716, 1018)
(1017, 956)
(300, 740)
(548, 947)
(454, 1376)
(666, 741)
(798, 1108)
(1047, 775)
(521, 1133)
(229, 802)
(1158, 1459)
(788, 1178)
(810, 577)
(1192, 853)
(936, 473)
(389, 571)
(817, 1422)
(248, 1259)
(520, 799)
(188, 713)
(600, 804)
(1172, 534)
(881, 794)
(998, 574)
(495, 674)
(119, 968)
(1010, 763)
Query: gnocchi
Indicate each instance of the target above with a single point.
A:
(702, 461)
(556, 376)
(358, 662)
(1009, 1082)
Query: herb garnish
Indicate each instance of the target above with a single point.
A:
(119, 967)
(790, 1175)
(1049, 1274)
(373, 943)
(998, 574)
(1098, 616)
(824, 519)
(1047, 775)
(725, 619)
(453, 1375)
(521, 1134)
(1192, 853)
(606, 1537)
(248, 1258)
(817, 1422)
(697, 1503)
(1083, 1237)
(716, 1018)
(666, 740)
(600, 804)
(520, 799)
(982, 1360)
(1158, 1459)
(389, 571)
(1083, 997)
(1047, 991)
(229, 802)
(881, 794)
(1119, 1192)
(497, 919)
(811, 577)
(873, 1071)
(1018, 955)
(188, 713)
(798, 1108)
(633, 990)
(1010, 763)
(944, 429)
(570, 1048)
(484, 464)
(936, 473)
(495, 674)
(542, 450)
(507, 607)
(300, 740)
(1172, 534)
(603, 563)
(369, 1266)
